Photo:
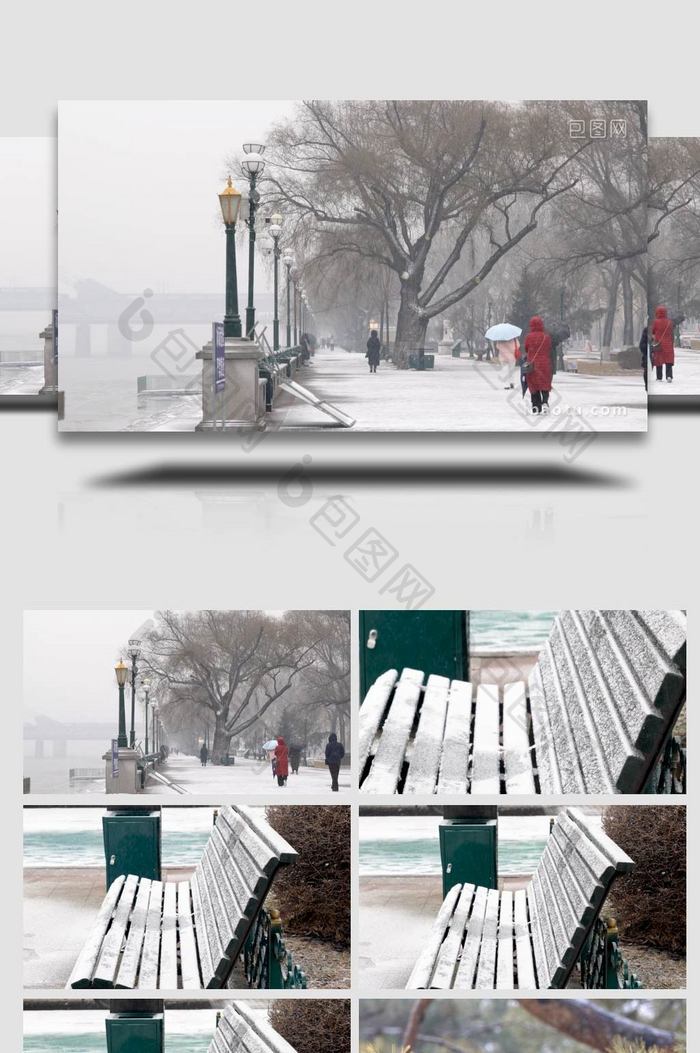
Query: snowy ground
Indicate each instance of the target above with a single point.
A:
(457, 395)
(686, 377)
(245, 776)
(22, 381)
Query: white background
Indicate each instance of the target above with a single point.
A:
(491, 522)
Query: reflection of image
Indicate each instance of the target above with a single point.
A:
(357, 287)
(596, 707)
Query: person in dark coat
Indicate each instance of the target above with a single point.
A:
(662, 352)
(538, 355)
(373, 350)
(204, 755)
(335, 751)
(281, 761)
(644, 352)
(294, 758)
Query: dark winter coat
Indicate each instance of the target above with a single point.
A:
(204, 754)
(662, 353)
(373, 350)
(335, 751)
(281, 758)
(538, 351)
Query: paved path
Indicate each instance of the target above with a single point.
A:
(457, 395)
(686, 377)
(245, 776)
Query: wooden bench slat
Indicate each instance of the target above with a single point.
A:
(523, 944)
(129, 966)
(189, 962)
(486, 970)
(422, 972)
(150, 957)
(242, 1031)
(470, 951)
(427, 744)
(372, 713)
(108, 961)
(168, 943)
(448, 955)
(485, 773)
(206, 960)
(396, 730)
(84, 968)
(454, 763)
(506, 943)
(517, 758)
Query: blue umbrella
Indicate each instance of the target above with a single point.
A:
(503, 331)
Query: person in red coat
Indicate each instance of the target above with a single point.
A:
(282, 761)
(662, 353)
(538, 353)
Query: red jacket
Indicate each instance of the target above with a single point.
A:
(662, 352)
(282, 757)
(538, 350)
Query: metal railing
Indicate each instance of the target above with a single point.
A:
(601, 963)
(267, 962)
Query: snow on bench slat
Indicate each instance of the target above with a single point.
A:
(516, 742)
(372, 712)
(391, 751)
(423, 969)
(448, 957)
(506, 939)
(454, 764)
(486, 747)
(428, 741)
(523, 944)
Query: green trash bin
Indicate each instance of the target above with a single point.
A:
(469, 848)
(434, 641)
(131, 842)
(135, 1033)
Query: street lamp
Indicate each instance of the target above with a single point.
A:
(154, 727)
(253, 165)
(121, 671)
(133, 650)
(275, 229)
(146, 687)
(288, 260)
(230, 201)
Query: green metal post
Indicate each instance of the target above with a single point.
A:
(252, 208)
(289, 306)
(121, 738)
(232, 319)
(276, 320)
(275, 976)
(132, 732)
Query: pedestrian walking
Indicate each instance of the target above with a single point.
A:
(373, 351)
(537, 365)
(281, 761)
(335, 751)
(509, 359)
(662, 352)
(204, 755)
(294, 758)
(644, 352)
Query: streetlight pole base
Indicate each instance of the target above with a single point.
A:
(242, 402)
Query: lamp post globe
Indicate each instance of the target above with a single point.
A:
(121, 672)
(230, 202)
(252, 166)
(288, 260)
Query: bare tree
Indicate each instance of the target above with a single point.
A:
(594, 1026)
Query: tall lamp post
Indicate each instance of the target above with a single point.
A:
(230, 201)
(146, 687)
(121, 671)
(134, 651)
(288, 260)
(253, 166)
(295, 297)
(154, 726)
(275, 231)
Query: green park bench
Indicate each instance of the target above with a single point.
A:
(596, 715)
(186, 934)
(532, 938)
(240, 1031)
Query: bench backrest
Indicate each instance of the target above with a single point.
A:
(566, 893)
(229, 886)
(604, 694)
(241, 1031)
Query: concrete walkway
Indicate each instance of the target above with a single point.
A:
(457, 395)
(245, 776)
(60, 905)
(396, 917)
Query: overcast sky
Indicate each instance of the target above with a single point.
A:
(138, 185)
(69, 659)
(27, 212)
